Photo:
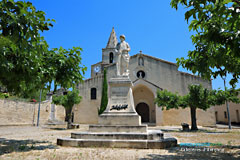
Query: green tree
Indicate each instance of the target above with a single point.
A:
(68, 101)
(229, 95)
(21, 44)
(104, 99)
(197, 98)
(65, 68)
(216, 25)
(35, 95)
(27, 63)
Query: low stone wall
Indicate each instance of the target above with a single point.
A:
(178, 116)
(25, 113)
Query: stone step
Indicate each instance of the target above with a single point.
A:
(150, 135)
(118, 128)
(137, 144)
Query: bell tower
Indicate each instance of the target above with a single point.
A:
(109, 53)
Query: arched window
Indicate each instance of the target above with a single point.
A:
(93, 93)
(111, 57)
(141, 74)
(140, 61)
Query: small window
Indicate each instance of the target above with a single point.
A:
(93, 93)
(225, 114)
(140, 61)
(141, 74)
(111, 57)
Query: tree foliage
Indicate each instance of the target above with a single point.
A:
(104, 99)
(216, 24)
(197, 98)
(168, 99)
(35, 95)
(230, 95)
(21, 44)
(65, 67)
(68, 101)
(27, 62)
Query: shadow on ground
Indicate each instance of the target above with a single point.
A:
(196, 153)
(11, 145)
(58, 129)
(197, 131)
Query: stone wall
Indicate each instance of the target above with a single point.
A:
(221, 113)
(178, 116)
(87, 111)
(25, 113)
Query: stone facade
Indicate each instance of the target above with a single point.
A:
(25, 113)
(148, 74)
(221, 113)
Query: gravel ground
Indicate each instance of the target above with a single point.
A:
(39, 143)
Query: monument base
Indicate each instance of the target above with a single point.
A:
(120, 119)
(147, 140)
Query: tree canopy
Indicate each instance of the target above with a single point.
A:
(65, 67)
(68, 101)
(197, 98)
(27, 62)
(216, 26)
(21, 45)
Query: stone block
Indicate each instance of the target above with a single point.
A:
(118, 128)
(110, 143)
(163, 143)
(119, 119)
(118, 135)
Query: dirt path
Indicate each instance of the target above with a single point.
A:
(33, 143)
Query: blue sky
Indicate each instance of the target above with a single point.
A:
(151, 26)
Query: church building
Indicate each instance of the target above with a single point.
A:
(148, 74)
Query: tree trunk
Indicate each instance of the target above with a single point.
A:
(69, 126)
(55, 88)
(68, 118)
(193, 119)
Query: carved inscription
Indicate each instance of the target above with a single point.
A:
(119, 107)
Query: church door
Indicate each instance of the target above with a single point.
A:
(143, 110)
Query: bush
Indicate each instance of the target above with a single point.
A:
(4, 95)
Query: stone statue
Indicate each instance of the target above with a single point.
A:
(123, 57)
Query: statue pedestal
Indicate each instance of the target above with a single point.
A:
(120, 109)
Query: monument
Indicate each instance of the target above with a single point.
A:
(119, 126)
(120, 109)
